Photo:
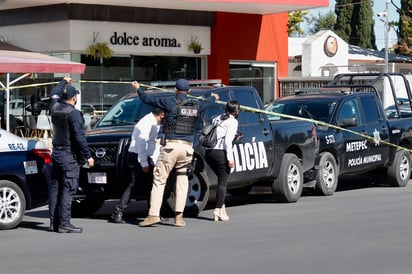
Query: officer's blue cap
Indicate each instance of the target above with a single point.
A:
(69, 92)
(182, 85)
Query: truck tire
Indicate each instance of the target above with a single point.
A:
(400, 170)
(12, 205)
(197, 196)
(289, 184)
(327, 175)
(86, 207)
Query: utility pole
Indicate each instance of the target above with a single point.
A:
(387, 28)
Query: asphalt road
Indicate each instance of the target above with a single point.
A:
(360, 229)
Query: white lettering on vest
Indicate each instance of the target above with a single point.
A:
(189, 112)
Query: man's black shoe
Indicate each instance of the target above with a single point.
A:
(70, 229)
(117, 218)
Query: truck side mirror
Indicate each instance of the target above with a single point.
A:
(349, 122)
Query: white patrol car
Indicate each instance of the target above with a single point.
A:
(24, 172)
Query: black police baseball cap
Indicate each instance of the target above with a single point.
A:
(69, 92)
(182, 84)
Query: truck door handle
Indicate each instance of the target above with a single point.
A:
(265, 131)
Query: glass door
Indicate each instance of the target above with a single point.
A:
(260, 75)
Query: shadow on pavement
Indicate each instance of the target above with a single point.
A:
(137, 210)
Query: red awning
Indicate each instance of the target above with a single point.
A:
(32, 62)
(27, 62)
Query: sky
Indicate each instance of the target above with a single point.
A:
(378, 6)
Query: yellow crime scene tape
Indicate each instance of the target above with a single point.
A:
(243, 108)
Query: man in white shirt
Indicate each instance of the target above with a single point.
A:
(141, 156)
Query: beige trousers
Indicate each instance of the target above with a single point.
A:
(172, 155)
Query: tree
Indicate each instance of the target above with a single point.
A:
(405, 28)
(294, 20)
(354, 22)
(321, 21)
(363, 34)
(343, 26)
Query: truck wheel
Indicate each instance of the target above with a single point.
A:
(197, 196)
(327, 175)
(12, 205)
(289, 184)
(86, 207)
(400, 170)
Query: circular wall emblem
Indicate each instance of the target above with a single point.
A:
(100, 152)
(330, 46)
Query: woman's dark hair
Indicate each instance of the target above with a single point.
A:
(232, 107)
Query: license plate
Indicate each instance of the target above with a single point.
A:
(97, 177)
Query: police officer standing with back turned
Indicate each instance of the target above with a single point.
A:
(55, 97)
(177, 153)
(70, 150)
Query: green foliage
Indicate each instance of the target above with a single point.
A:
(363, 34)
(99, 49)
(354, 22)
(344, 11)
(321, 22)
(294, 20)
(404, 45)
(195, 45)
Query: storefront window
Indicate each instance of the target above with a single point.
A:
(145, 69)
(259, 75)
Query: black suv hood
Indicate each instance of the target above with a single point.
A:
(108, 133)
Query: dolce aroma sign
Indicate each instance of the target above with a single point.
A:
(129, 40)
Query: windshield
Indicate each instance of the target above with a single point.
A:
(320, 110)
(125, 112)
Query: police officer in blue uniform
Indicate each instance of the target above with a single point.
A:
(70, 150)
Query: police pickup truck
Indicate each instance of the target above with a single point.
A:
(273, 153)
(355, 132)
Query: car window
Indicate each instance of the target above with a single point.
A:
(218, 109)
(349, 109)
(320, 110)
(127, 111)
(276, 107)
(247, 98)
(369, 106)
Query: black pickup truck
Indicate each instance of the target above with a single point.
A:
(270, 153)
(356, 134)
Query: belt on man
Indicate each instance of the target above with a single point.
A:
(183, 142)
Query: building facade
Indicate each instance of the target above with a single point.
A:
(151, 44)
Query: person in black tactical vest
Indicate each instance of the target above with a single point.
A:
(70, 150)
(55, 97)
(177, 153)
